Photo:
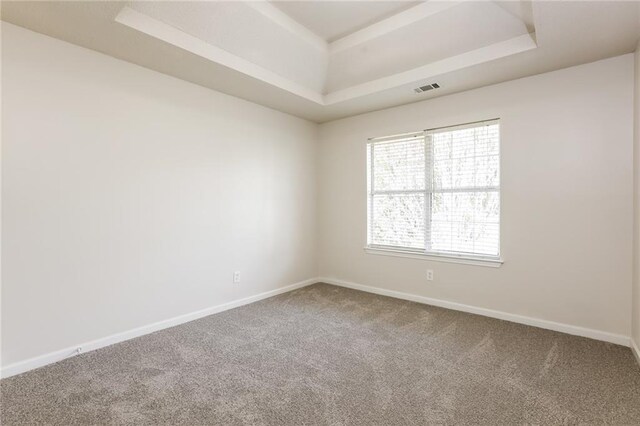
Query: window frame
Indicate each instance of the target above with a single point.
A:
(427, 192)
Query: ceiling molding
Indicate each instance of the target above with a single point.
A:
(564, 31)
(288, 23)
(169, 34)
(484, 54)
(521, 10)
(393, 23)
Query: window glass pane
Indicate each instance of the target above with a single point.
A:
(462, 236)
(398, 220)
(487, 207)
(441, 146)
(463, 143)
(463, 172)
(399, 165)
(466, 158)
(466, 222)
(443, 173)
(441, 207)
(487, 171)
(453, 172)
(486, 239)
(487, 140)
(441, 236)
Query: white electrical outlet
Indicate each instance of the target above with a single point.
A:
(430, 275)
(236, 277)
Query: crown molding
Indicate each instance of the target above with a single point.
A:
(285, 21)
(169, 34)
(392, 23)
(474, 57)
(177, 37)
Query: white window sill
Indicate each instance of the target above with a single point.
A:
(466, 260)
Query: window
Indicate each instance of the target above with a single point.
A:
(436, 192)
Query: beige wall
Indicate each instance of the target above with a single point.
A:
(566, 198)
(130, 197)
(636, 212)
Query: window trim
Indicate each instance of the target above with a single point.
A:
(425, 254)
(490, 261)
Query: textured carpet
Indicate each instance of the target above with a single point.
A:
(324, 355)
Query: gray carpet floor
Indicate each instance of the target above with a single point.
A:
(325, 355)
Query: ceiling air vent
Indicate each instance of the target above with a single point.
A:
(427, 87)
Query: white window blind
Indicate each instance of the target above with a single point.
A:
(436, 192)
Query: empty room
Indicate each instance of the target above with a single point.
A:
(320, 212)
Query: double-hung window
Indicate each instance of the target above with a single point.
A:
(436, 192)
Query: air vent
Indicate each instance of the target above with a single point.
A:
(427, 87)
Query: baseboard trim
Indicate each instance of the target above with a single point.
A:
(635, 348)
(535, 322)
(53, 357)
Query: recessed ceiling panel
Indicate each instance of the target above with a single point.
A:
(243, 31)
(257, 52)
(454, 31)
(334, 19)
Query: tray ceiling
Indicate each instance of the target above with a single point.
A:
(323, 60)
(332, 20)
(274, 47)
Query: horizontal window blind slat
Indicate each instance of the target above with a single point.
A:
(437, 191)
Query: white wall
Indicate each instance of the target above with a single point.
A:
(130, 197)
(566, 198)
(636, 211)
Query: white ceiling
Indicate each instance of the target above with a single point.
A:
(331, 20)
(325, 60)
(454, 31)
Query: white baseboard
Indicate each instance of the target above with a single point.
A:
(535, 322)
(52, 357)
(635, 348)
